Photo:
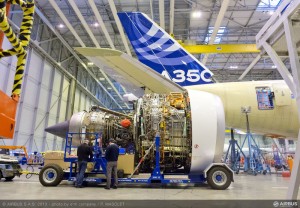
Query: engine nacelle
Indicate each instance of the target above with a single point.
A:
(208, 130)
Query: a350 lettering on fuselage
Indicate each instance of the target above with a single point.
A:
(191, 75)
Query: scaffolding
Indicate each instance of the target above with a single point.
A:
(278, 34)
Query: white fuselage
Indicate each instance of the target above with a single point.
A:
(280, 120)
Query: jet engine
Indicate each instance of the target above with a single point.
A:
(190, 126)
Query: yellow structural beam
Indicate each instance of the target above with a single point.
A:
(221, 48)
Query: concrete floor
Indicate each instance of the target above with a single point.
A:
(245, 187)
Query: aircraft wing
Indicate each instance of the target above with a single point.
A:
(128, 71)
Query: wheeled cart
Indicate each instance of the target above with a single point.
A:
(217, 175)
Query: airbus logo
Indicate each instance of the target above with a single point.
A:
(285, 204)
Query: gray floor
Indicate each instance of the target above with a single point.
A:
(244, 187)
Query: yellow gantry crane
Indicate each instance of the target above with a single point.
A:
(221, 48)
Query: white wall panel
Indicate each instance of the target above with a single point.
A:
(49, 142)
(39, 124)
(43, 100)
(47, 74)
(54, 105)
(48, 145)
(23, 139)
(77, 101)
(64, 101)
(31, 93)
(66, 86)
(50, 137)
(51, 121)
(3, 72)
(43, 120)
(29, 101)
(83, 101)
(35, 65)
(58, 144)
(9, 142)
(88, 103)
(57, 80)
(62, 112)
(25, 127)
(26, 121)
(55, 94)
(37, 144)
(5, 69)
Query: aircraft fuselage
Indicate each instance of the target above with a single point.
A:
(273, 106)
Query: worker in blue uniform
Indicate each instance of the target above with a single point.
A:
(111, 156)
(84, 153)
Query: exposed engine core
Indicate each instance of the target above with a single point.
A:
(168, 116)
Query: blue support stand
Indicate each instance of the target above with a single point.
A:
(98, 159)
(235, 153)
(255, 161)
(156, 176)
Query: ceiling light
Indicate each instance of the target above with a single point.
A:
(96, 24)
(90, 63)
(271, 12)
(196, 14)
(274, 67)
(60, 26)
(101, 78)
(109, 88)
(233, 67)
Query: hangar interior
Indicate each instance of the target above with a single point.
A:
(59, 82)
(50, 98)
